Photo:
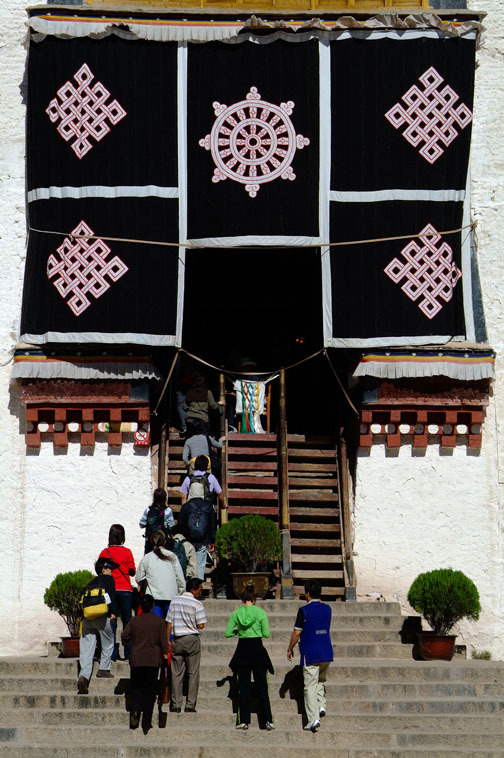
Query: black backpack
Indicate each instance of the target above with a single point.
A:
(155, 520)
(197, 520)
(179, 550)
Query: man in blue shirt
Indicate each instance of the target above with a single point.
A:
(312, 631)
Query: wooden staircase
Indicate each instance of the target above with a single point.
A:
(315, 528)
(253, 487)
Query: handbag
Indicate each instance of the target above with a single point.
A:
(165, 681)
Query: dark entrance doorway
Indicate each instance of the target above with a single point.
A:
(265, 305)
(261, 304)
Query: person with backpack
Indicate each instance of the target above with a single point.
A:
(157, 517)
(98, 623)
(199, 443)
(121, 575)
(185, 552)
(160, 570)
(197, 518)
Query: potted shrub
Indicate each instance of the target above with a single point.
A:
(63, 595)
(249, 543)
(443, 597)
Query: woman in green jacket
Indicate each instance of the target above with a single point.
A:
(251, 625)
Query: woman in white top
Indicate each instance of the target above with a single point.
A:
(162, 574)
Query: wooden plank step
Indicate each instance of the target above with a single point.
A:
(308, 481)
(296, 527)
(251, 495)
(176, 450)
(329, 560)
(243, 510)
(258, 480)
(315, 467)
(314, 542)
(315, 512)
(251, 466)
(176, 465)
(314, 495)
(262, 452)
(316, 574)
(250, 438)
(320, 438)
(295, 452)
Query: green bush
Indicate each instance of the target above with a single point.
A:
(444, 597)
(63, 595)
(249, 542)
(484, 655)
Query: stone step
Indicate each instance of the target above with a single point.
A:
(210, 702)
(380, 670)
(218, 735)
(224, 717)
(286, 621)
(222, 751)
(342, 636)
(310, 749)
(356, 650)
(211, 687)
(289, 607)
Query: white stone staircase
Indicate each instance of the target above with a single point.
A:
(381, 702)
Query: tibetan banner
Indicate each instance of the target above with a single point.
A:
(292, 140)
(102, 168)
(402, 108)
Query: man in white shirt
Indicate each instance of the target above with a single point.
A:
(185, 617)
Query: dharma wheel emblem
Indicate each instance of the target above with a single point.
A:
(253, 142)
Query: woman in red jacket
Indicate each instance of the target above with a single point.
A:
(124, 594)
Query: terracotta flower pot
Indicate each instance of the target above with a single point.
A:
(436, 647)
(260, 581)
(70, 647)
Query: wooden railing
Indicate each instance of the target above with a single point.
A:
(345, 518)
(224, 452)
(287, 589)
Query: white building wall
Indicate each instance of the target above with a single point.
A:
(413, 513)
(416, 513)
(55, 507)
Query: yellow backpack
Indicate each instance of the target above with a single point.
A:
(94, 603)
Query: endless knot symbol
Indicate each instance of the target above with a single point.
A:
(431, 115)
(84, 111)
(253, 142)
(82, 267)
(429, 272)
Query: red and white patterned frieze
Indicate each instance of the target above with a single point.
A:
(82, 111)
(420, 427)
(427, 271)
(80, 268)
(431, 115)
(253, 142)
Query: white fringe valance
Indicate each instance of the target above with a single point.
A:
(201, 30)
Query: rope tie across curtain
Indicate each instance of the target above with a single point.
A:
(195, 246)
(246, 422)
